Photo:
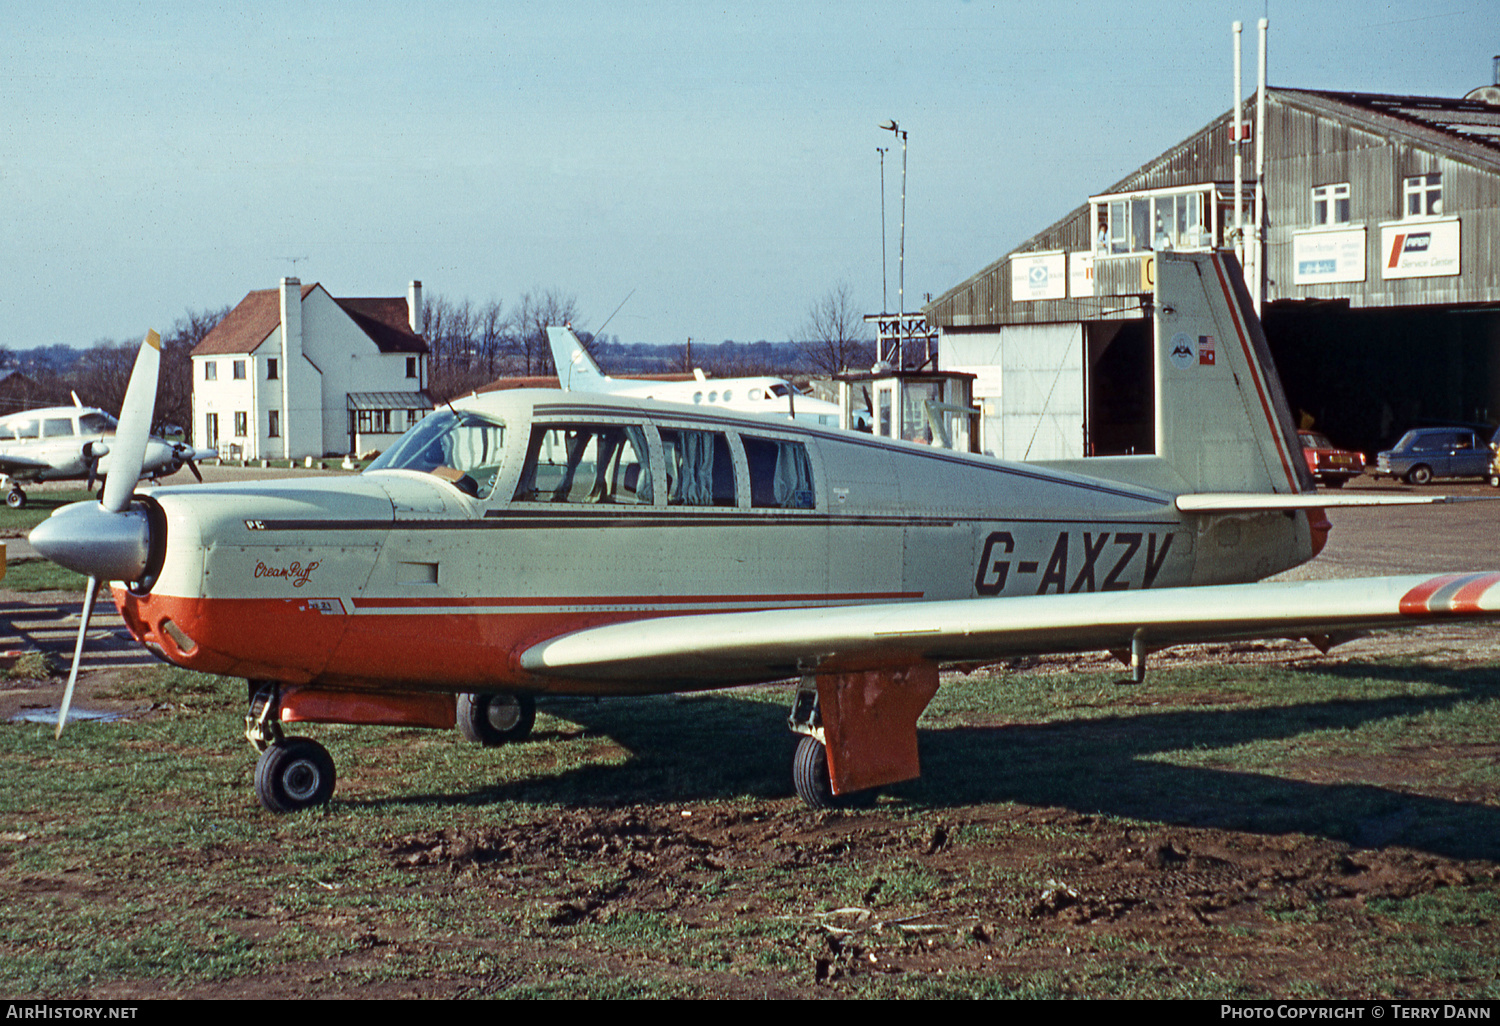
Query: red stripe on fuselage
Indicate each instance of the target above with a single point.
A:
(1255, 376)
(820, 598)
(400, 644)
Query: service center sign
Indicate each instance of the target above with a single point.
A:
(1419, 249)
(1038, 276)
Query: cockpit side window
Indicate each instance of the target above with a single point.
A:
(700, 469)
(780, 474)
(596, 463)
(57, 427)
(463, 448)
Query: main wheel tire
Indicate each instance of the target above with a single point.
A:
(1420, 475)
(15, 498)
(810, 779)
(496, 719)
(293, 774)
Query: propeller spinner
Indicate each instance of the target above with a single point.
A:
(108, 540)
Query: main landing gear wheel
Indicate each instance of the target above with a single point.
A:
(810, 780)
(496, 719)
(15, 498)
(294, 773)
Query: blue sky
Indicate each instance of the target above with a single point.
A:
(717, 159)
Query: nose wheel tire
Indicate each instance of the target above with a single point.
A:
(15, 498)
(810, 780)
(293, 774)
(496, 719)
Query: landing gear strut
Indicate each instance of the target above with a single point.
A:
(496, 719)
(293, 773)
(810, 777)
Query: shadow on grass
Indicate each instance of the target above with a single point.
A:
(722, 746)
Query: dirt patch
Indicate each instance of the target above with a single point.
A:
(1267, 911)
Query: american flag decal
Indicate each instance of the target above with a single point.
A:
(1450, 593)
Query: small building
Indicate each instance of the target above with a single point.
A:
(293, 372)
(1369, 243)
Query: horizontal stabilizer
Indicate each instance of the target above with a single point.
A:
(727, 648)
(1247, 502)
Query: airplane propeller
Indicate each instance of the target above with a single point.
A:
(93, 452)
(108, 540)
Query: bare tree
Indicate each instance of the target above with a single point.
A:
(537, 311)
(834, 337)
(174, 389)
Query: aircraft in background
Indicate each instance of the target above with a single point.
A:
(529, 542)
(61, 443)
(767, 396)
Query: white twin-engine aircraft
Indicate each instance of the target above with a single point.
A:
(533, 542)
(774, 397)
(64, 443)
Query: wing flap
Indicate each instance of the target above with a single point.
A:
(736, 648)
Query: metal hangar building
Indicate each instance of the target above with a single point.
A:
(1377, 264)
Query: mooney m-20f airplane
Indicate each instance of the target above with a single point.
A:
(774, 397)
(533, 542)
(73, 443)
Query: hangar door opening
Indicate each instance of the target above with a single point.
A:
(1120, 389)
(1028, 385)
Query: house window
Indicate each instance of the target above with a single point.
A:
(271, 369)
(273, 423)
(241, 424)
(1424, 195)
(1331, 204)
(411, 366)
(210, 370)
(211, 430)
(239, 370)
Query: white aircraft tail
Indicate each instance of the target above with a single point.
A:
(1222, 419)
(576, 369)
(1222, 423)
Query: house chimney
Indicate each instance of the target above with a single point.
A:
(414, 306)
(291, 353)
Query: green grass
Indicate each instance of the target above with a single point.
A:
(133, 855)
(41, 575)
(39, 506)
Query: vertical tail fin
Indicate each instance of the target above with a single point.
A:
(1222, 419)
(576, 369)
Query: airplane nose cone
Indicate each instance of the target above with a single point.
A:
(88, 538)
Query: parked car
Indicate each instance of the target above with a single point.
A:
(1330, 465)
(1427, 453)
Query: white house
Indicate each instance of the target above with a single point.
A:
(294, 372)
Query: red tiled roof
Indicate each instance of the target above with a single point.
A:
(384, 322)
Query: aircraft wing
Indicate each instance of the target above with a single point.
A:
(16, 465)
(744, 647)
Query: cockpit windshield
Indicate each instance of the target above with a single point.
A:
(96, 423)
(464, 448)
